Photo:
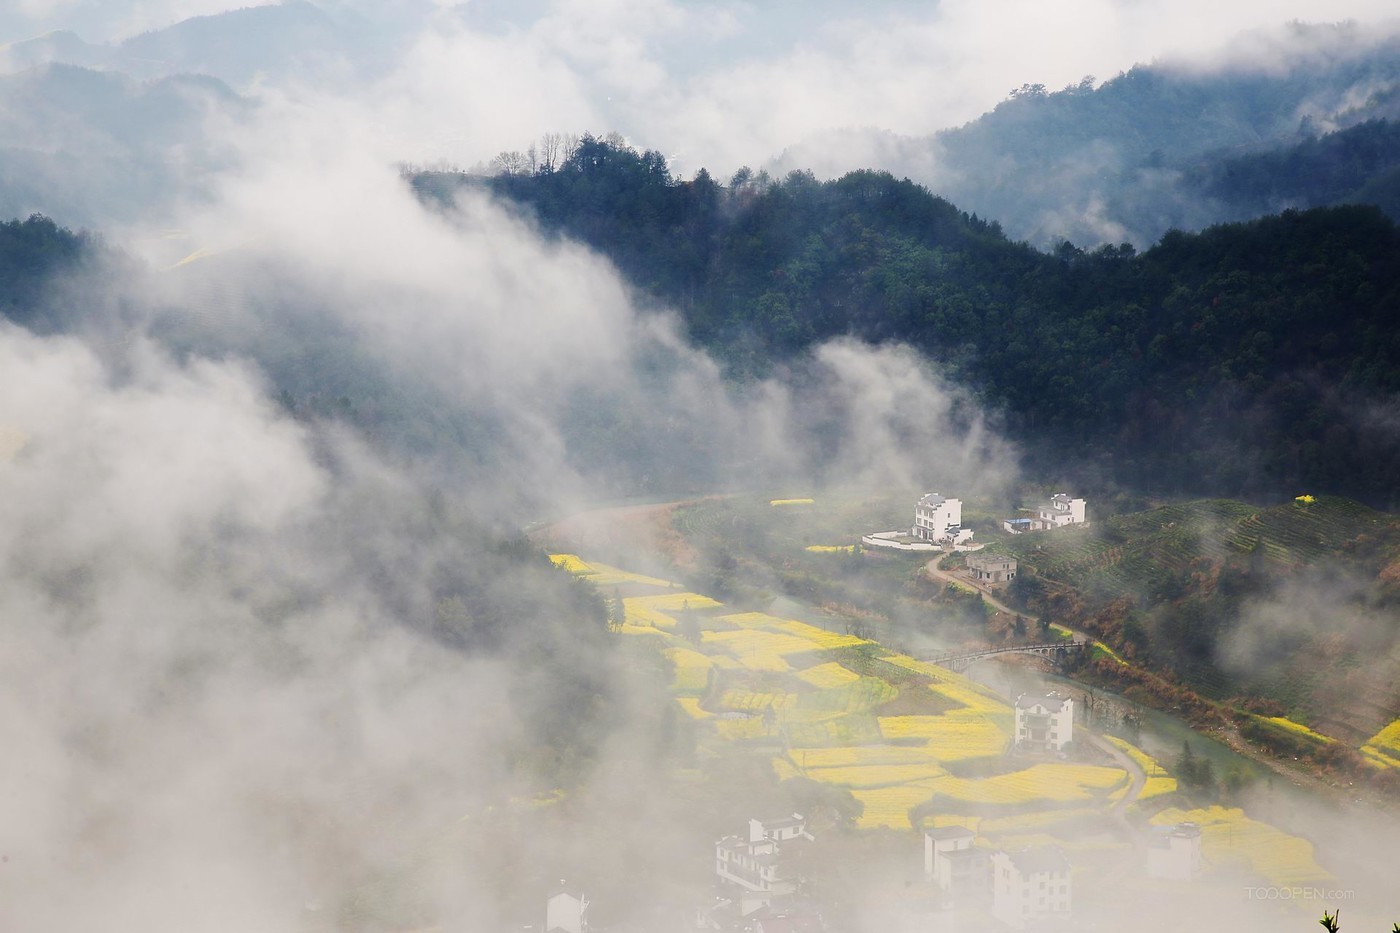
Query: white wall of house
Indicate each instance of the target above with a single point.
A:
(937, 518)
(566, 912)
(1044, 723)
(1029, 887)
(1174, 853)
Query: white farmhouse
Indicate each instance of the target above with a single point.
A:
(1174, 852)
(566, 911)
(939, 519)
(991, 568)
(956, 867)
(1059, 512)
(1031, 886)
(760, 868)
(1044, 722)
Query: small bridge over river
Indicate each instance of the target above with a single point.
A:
(959, 661)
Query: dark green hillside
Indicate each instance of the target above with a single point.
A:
(1252, 360)
(32, 253)
(1351, 165)
(1291, 608)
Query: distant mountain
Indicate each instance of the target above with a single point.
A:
(240, 47)
(1123, 161)
(60, 46)
(89, 148)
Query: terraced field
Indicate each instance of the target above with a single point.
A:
(911, 742)
(1383, 749)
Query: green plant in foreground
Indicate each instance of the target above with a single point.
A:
(1330, 922)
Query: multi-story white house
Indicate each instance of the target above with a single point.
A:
(1060, 511)
(1030, 886)
(939, 519)
(1044, 722)
(1174, 852)
(760, 867)
(956, 867)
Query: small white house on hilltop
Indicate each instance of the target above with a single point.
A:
(1044, 722)
(1059, 512)
(1030, 886)
(939, 520)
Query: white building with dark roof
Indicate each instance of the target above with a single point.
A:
(939, 520)
(958, 869)
(760, 868)
(1044, 722)
(1060, 511)
(1031, 886)
(1174, 852)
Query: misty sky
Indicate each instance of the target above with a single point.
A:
(724, 83)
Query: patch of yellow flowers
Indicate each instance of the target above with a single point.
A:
(1231, 839)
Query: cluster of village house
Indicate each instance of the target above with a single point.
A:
(762, 878)
(938, 521)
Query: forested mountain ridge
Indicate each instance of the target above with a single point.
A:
(1251, 360)
(1360, 164)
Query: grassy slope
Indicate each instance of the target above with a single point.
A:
(1218, 560)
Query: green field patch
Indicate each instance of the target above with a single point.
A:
(850, 729)
(863, 694)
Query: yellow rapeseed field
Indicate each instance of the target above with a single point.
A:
(831, 548)
(829, 675)
(603, 575)
(740, 729)
(752, 620)
(674, 602)
(692, 670)
(950, 737)
(862, 755)
(1031, 822)
(572, 563)
(889, 806)
(1050, 783)
(753, 644)
(1297, 728)
(820, 637)
(875, 775)
(791, 501)
(1157, 787)
(1384, 747)
(1232, 840)
(692, 707)
(645, 616)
